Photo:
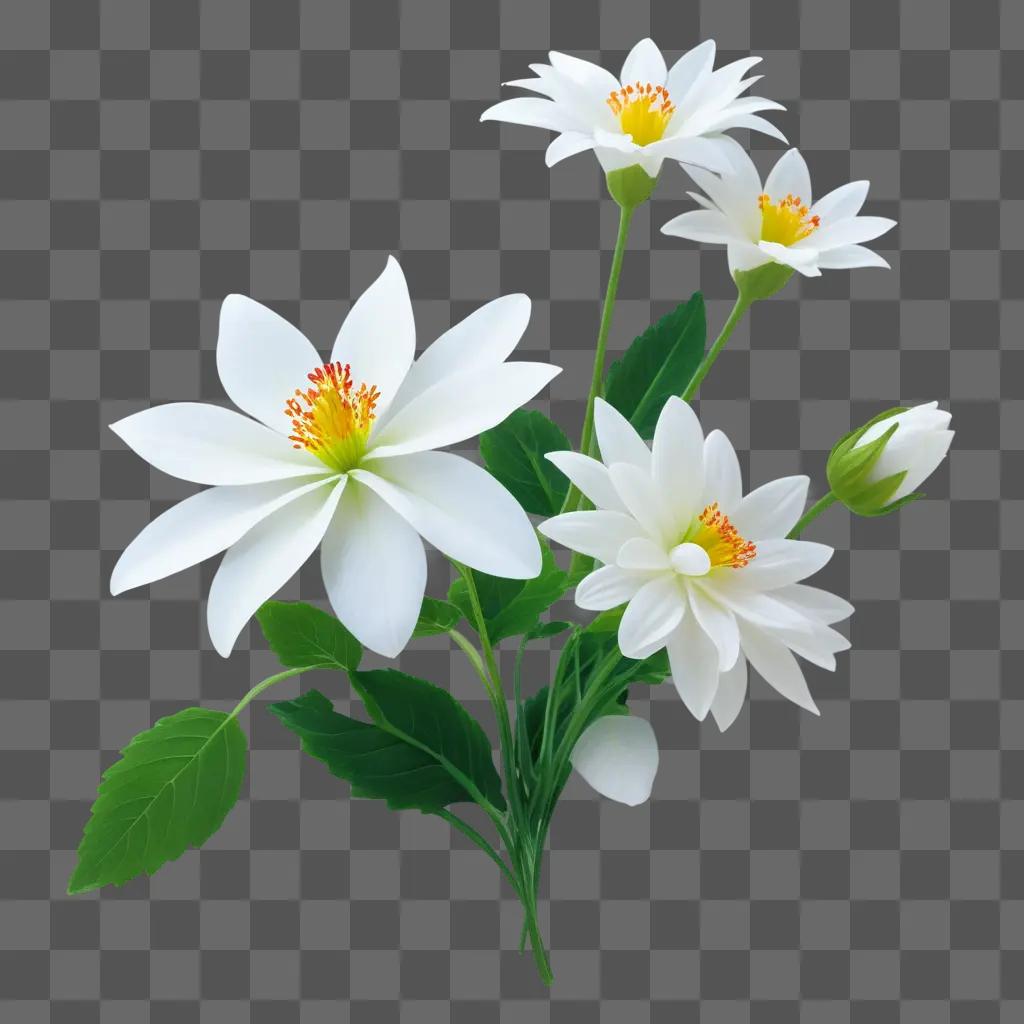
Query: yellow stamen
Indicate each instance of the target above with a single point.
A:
(332, 418)
(644, 111)
(786, 221)
(721, 540)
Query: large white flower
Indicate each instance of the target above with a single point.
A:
(778, 222)
(647, 114)
(340, 453)
(707, 572)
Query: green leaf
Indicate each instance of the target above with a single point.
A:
(533, 716)
(657, 365)
(545, 630)
(171, 789)
(301, 635)
(514, 453)
(512, 607)
(436, 617)
(379, 765)
(432, 720)
(601, 637)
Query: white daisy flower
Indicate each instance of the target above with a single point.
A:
(778, 222)
(341, 453)
(707, 572)
(647, 114)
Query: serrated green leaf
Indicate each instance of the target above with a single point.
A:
(658, 364)
(514, 451)
(432, 720)
(378, 764)
(436, 617)
(301, 635)
(170, 790)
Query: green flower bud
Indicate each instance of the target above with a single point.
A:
(762, 282)
(630, 186)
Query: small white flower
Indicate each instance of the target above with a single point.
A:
(648, 114)
(917, 446)
(707, 572)
(618, 756)
(778, 221)
(339, 452)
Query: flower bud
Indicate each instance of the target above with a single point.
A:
(879, 466)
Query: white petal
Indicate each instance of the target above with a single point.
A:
(693, 150)
(693, 659)
(850, 257)
(485, 338)
(722, 479)
(819, 645)
(460, 509)
(847, 232)
(198, 528)
(840, 203)
(643, 555)
(378, 336)
(459, 407)
(789, 177)
(210, 445)
(686, 71)
(765, 609)
(531, 112)
(773, 509)
(732, 691)
(677, 460)
(718, 622)
(655, 610)
(608, 587)
(644, 64)
(599, 534)
(752, 122)
(775, 663)
(735, 193)
(816, 603)
(617, 439)
(643, 499)
(567, 144)
(264, 560)
(745, 256)
(804, 261)
(780, 562)
(929, 449)
(702, 226)
(261, 360)
(590, 476)
(375, 571)
(618, 756)
(592, 77)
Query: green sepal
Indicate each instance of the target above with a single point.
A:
(762, 282)
(630, 187)
(850, 466)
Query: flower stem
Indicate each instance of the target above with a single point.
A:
(266, 684)
(741, 306)
(811, 514)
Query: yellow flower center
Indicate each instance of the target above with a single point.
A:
(786, 221)
(644, 111)
(332, 418)
(721, 540)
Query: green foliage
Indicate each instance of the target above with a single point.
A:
(303, 636)
(436, 617)
(512, 607)
(514, 453)
(432, 720)
(378, 764)
(171, 789)
(658, 364)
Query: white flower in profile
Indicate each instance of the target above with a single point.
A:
(648, 114)
(618, 756)
(341, 453)
(778, 222)
(707, 572)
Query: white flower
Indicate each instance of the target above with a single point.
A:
(707, 572)
(618, 756)
(917, 446)
(778, 221)
(339, 452)
(648, 114)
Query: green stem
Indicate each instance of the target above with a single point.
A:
(742, 305)
(811, 514)
(471, 833)
(266, 684)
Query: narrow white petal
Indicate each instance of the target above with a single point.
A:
(804, 261)
(617, 439)
(692, 66)
(702, 226)
(460, 509)
(753, 123)
(775, 663)
(644, 64)
(261, 360)
(722, 480)
(206, 444)
(718, 622)
(816, 603)
(375, 571)
(773, 509)
(590, 476)
(840, 203)
(677, 460)
(781, 562)
(532, 113)
(599, 534)
(585, 73)
(745, 256)
(378, 336)
(768, 610)
(693, 150)
(693, 659)
(608, 587)
(618, 756)
(199, 527)
(567, 144)
(819, 645)
(789, 177)
(641, 496)
(460, 406)
(851, 231)
(929, 449)
(643, 555)
(656, 609)
(732, 691)
(264, 560)
(850, 257)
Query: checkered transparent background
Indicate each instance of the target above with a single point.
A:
(864, 867)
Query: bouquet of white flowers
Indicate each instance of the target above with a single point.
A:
(692, 580)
